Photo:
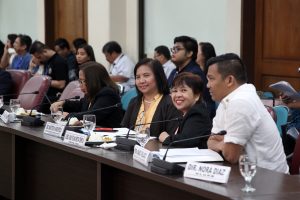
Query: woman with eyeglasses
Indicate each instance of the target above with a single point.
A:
(153, 102)
(99, 92)
(186, 96)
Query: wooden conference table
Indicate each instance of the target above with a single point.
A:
(36, 166)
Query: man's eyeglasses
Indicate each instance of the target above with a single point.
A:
(176, 49)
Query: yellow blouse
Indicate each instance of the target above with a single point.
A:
(145, 117)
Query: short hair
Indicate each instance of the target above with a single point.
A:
(78, 42)
(89, 51)
(12, 37)
(163, 50)
(208, 51)
(111, 47)
(25, 40)
(189, 43)
(37, 47)
(193, 81)
(159, 75)
(62, 43)
(96, 78)
(230, 64)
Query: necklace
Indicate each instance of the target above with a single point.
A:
(148, 101)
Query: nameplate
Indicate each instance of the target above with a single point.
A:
(54, 129)
(5, 117)
(74, 138)
(141, 155)
(207, 172)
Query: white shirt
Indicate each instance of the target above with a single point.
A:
(248, 123)
(169, 66)
(123, 66)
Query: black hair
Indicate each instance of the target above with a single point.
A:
(62, 43)
(1, 49)
(89, 51)
(111, 47)
(230, 64)
(78, 42)
(37, 47)
(189, 43)
(208, 51)
(12, 37)
(159, 74)
(163, 50)
(25, 40)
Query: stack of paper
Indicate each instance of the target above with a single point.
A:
(181, 155)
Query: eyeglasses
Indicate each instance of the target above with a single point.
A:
(81, 82)
(176, 49)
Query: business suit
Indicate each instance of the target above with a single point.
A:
(196, 122)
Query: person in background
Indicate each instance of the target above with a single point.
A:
(8, 51)
(55, 67)
(186, 96)
(36, 67)
(1, 49)
(153, 102)
(22, 59)
(250, 128)
(184, 55)
(62, 48)
(162, 54)
(100, 92)
(77, 43)
(205, 51)
(84, 54)
(121, 66)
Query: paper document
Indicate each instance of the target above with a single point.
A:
(286, 89)
(180, 155)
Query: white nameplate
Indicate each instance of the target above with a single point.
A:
(207, 172)
(54, 129)
(141, 155)
(5, 116)
(74, 138)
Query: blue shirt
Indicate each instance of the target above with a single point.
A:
(21, 62)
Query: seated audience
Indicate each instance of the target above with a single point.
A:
(85, 53)
(55, 67)
(62, 47)
(184, 55)
(162, 54)
(249, 126)
(153, 102)
(77, 43)
(121, 66)
(36, 67)
(205, 51)
(100, 92)
(22, 59)
(294, 106)
(8, 51)
(186, 95)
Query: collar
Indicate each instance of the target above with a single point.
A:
(231, 95)
(116, 61)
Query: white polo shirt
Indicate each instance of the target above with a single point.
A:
(248, 123)
(124, 66)
(169, 66)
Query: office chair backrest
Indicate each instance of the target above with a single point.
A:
(71, 90)
(127, 97)
(19, 78)
(282, 113)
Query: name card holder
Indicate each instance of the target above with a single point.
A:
(141, 155)
(207, 172)
(74, 138)
(54, 129)
(5, 117)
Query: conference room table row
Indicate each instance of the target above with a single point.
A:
(37, 166)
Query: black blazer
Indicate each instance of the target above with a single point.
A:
(165, 110)
(196, 122)
(105, 97)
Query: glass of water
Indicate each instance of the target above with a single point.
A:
(143, 136)
(57, 115)
(1, 101)
(14, 105)
(248, 171)
(89, 122)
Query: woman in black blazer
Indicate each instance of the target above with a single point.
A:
(186, 96)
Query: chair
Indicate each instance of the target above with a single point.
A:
(19, 78)
(295, 163)
(36, 83)
(282, 116)
(271, 112)
(127, 97)
(71, 90)
(121, 88)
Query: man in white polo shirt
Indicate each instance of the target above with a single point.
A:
(121, 67)
(250, 128)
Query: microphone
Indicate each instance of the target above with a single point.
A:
(128, 144)
(36, 121)
(166, 168)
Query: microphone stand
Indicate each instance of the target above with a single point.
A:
(127, 144)
(166, 168)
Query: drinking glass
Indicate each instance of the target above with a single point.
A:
(14, 105)
(57, 115)
(89, 122)
(143, 136)
(248, 171)
(1, 101)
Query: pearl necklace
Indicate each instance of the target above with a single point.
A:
(148, 101)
